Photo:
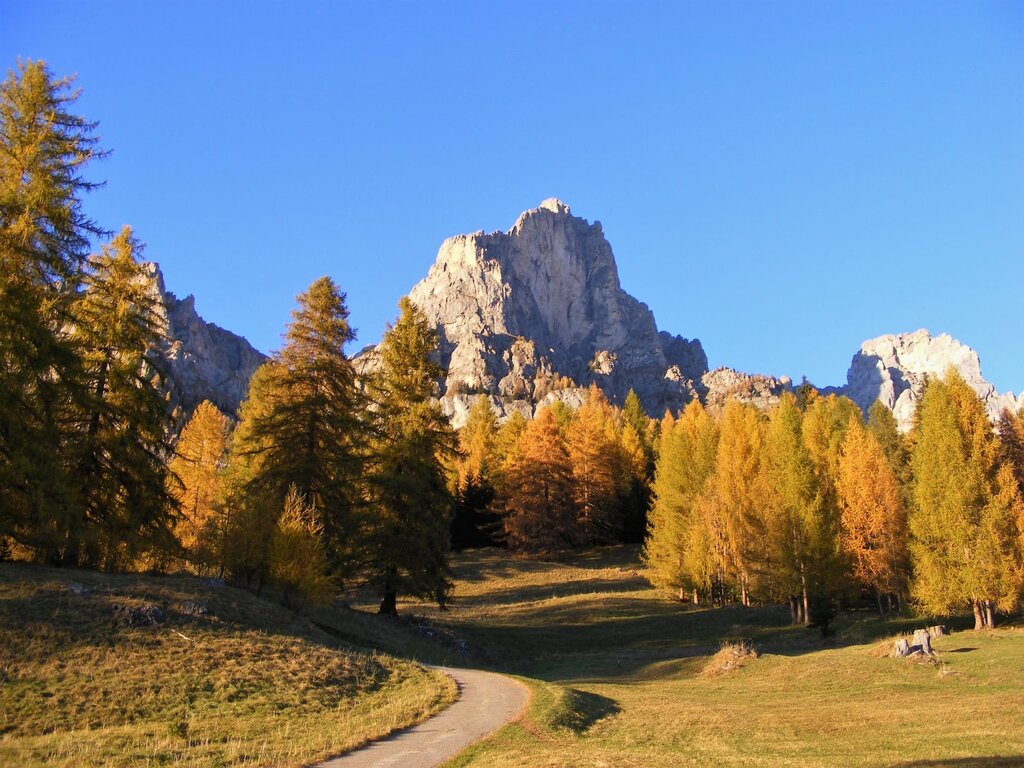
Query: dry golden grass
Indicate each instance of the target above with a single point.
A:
(616, 674)
(248, 683)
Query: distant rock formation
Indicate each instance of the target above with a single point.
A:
(537, 314)
(893, 369)
(719, 385)
(202, 361)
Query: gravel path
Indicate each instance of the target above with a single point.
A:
(486, 702)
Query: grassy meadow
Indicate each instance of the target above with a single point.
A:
(623, 677)
(619, 675)
(243, 683)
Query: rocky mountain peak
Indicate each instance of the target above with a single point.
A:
(202, 360)
(893, 369)
(538, 312)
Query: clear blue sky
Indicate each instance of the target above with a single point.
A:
(781, 180)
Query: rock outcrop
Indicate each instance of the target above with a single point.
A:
(537, 314)
(201, 360)
(721, 384)
(893, 369)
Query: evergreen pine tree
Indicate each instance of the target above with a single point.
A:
(407, 548)
(304, 425)
(120, 467)
(44, 240)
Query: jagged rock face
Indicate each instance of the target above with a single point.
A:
(893, 369)
(537, 313)
(202, 361)
(762, 391)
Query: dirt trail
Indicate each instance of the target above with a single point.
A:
(486, 702)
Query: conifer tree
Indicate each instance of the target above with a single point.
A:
(965, 521)
(633, 414)
(304, 425)
(245, 518)
(474, 523)
(412, 505)
(597, 467)
(883, 427)
(874, 519)
(297, 561)
(44, 240)
(635, 488)
(1010, 429)
(678, 544)
(536, 490)
(795, 534)
(735, 501)
(120, 467)
(196, 483)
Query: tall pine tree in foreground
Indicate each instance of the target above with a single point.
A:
(965, 537)
(121, 443)
(45, 148)
(411, 505)
(303, 425)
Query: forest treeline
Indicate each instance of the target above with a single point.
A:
(328, 476)
(325, 478)
(811, 506)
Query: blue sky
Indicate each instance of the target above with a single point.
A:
(781, 180)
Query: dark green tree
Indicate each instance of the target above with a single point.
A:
(121, 441)
(408, 528)
(304, 425)
(44, 240)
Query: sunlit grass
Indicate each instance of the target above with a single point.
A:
(618, 677)
(248, 683)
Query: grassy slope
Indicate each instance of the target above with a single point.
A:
(247, 684)
(615, 671)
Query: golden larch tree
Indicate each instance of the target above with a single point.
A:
(873, 517)
(196, 483)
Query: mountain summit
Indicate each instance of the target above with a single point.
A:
(537, 314)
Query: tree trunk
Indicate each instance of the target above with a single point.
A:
(990, 614)
(745, 588)
(806, 606)
(878, 597)
(979, 617)
(389, 605)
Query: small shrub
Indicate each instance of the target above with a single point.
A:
(730, 657)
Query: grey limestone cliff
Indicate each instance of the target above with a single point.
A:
(894, 368)
(537, 313)
(202, 361)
